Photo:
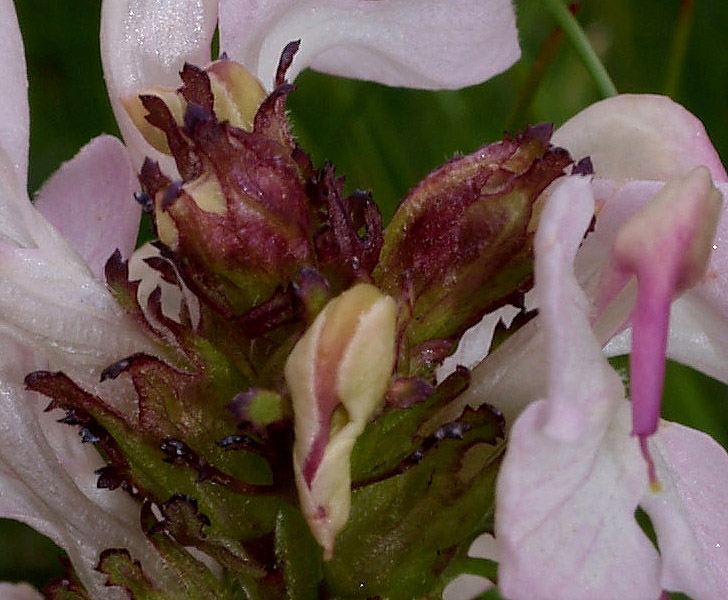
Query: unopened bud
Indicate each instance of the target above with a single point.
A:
(239, 222)
(237, 93)
(337, 375)
(236, 97)
(135, 109)
(460, 244)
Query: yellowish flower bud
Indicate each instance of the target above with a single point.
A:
(135, 109)
(237, 93)
(337, 375)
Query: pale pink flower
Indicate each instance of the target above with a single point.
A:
(574, 474)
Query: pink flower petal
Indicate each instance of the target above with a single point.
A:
(14, 123)
(424, 44)
(666, 245)
(650, 137)
(564, 518)
(639, 137)
(16, 216)
(698, 333)
(564, 311)
(89, 200)
(572, 476)
(145, 43)
(689, 513)
(699, 322)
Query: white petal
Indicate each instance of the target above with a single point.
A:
(639, 137)
(466, 587)
(512, 377)
(14, 122)
(145, 43)
(475, 341)
(18, 591)
(17, 217)
(56, 494)
(53, 305)
(689, 512)
(427, 44)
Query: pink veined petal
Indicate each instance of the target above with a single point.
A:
(18, 591)
(564, 312)
(89, 200)
(689, 512)
(14, 123)
(424, 44)
(639, 137)
(564, 515)
(145, 43)
(572, 476)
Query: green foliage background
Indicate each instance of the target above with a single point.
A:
(386, 139)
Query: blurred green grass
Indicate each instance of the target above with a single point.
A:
(386, 139)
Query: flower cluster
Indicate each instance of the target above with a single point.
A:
(263, 391)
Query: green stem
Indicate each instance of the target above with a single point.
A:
(582, 47)
(679, 47)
